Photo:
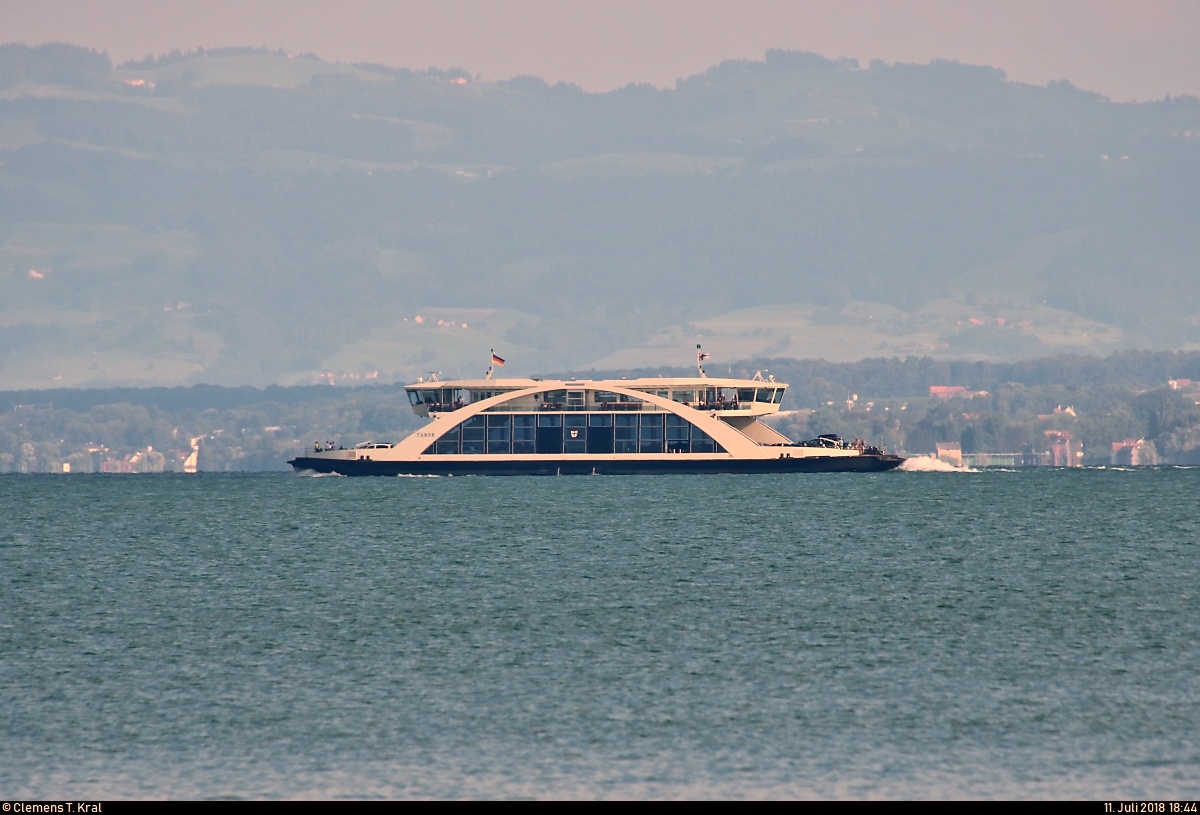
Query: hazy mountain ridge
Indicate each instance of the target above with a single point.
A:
(243, 216)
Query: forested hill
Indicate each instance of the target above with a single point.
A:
(253, 217)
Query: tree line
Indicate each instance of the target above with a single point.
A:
(1003, 407)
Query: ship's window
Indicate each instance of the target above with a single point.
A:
(710, 395)
(779, 394)
(745, 394)
(447, 448)
(624, 397)
(625, 434)
(550, 420)
(575, 400)
(472, 448)
(677, 433)
(600, 438)
(576, 420)
(600, 420)
(663, 394)
(429, 397)
(524, 446)
(703, 443)
(498, 421)
(601, 397)
(450, 439)
(555, 397)
(764, 395)
(677, 421)
(575, 440)
(549, 437)
(474, 429)
(683, 396)
(524, 421)
(414, 398)
(651, 435)
(499, 434)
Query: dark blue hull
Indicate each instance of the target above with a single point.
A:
(815, 464)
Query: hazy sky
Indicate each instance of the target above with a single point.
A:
(1128, 49)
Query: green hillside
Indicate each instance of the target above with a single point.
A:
(245, 216)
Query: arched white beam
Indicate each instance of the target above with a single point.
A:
(442, 423)
(734, 442)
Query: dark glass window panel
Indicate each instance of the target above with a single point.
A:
(652, 428)
(414, 397)
(623, 446)
(652, 445)
(600, 440)
(549, 440)
(745, 394)
(499, 447)
(474, 434)
(472, 448)
(474, 422)
(600, 420)
(550, 420)
(521, 446)
(677, 446)
(625, 421)
(499, 421)
(524, 433)
(575, 420)
(578, 445)
(625, 433)
(702, 442)
(677, 421)
(447, 448)
(429, 451)
(677, 433)
(779, 392)
(524, 421)
(499, 434)
(764, 395)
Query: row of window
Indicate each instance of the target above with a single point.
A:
(556, 433)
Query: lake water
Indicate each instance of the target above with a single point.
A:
(993, 634)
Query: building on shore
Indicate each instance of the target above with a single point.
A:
(1134, 453)
(950, 452)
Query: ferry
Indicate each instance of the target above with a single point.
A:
(596, 427)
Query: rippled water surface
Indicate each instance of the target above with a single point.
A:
(992, 634)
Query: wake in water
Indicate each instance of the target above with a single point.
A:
(929, 464)
(315, 474)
